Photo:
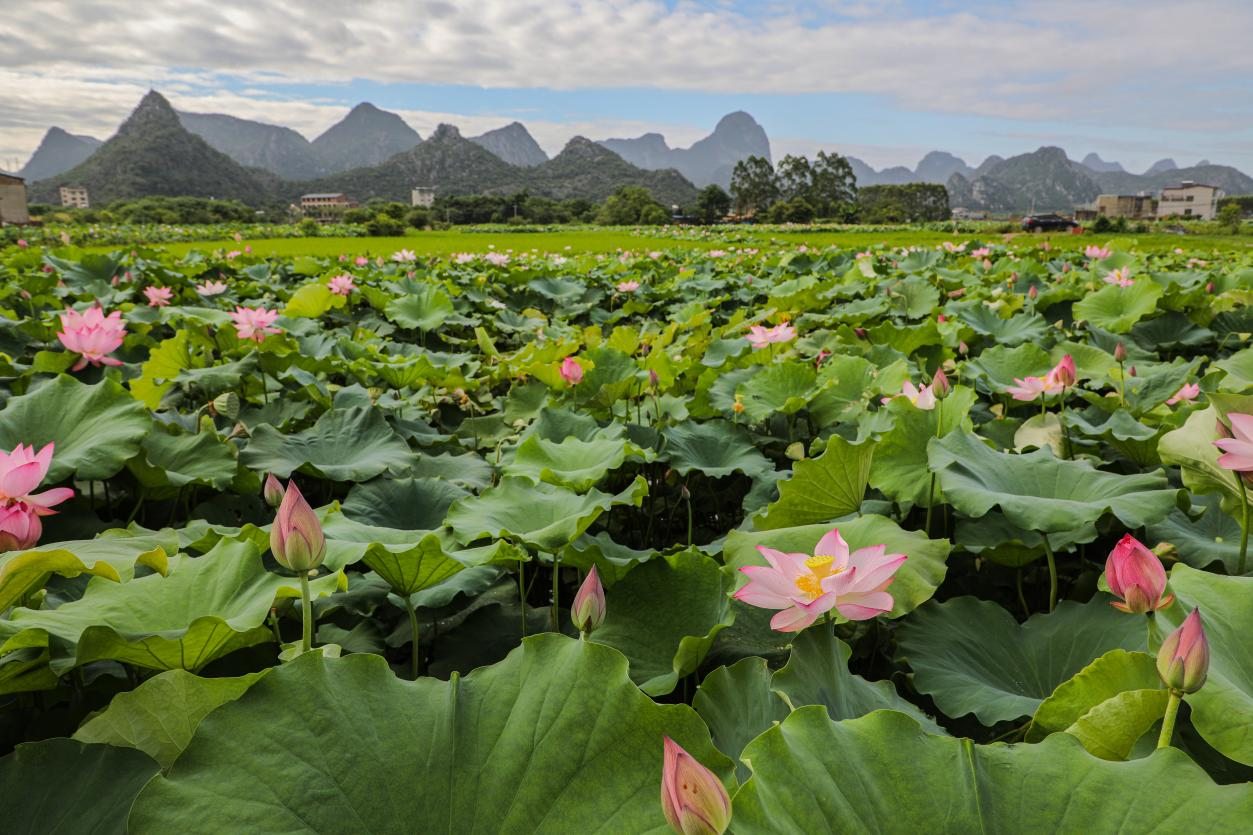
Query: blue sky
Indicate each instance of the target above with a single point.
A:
(884, 81)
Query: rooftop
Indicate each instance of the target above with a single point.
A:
(321, 196)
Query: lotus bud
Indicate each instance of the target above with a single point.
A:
(963, 348)
(795, 451)
(272, 492)
(685, 493)
(653, 379)
(1209, 287)
(588, 609)
(296, 536)
(1120, 353)
(1131, 371)
(940, 386)
(571, 371)
(1183, 660)
(861, 332)
(1065, 371)
(1033, 293)
(940, 319)
(692, 797)
(1136, 576)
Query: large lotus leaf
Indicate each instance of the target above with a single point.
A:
(884, 773)
(96, 429)
(663, 617)
(1115, 672)
(179, 460)
(163, 365)
(1116, 309)
(469, 470)
(573, 462)
(900, 466)
(916, 580)
(112, 557)
(555, 737)
(412, 569)
(971, 656)
(613, 560)
(312, 300)
(1213, 536)
(716, 449)
(824, 488)
(1017, 329)
(995, 538)
(205, 608)
(1038, 492)
(782, 388)
(353, 444)
(1239, 368)
(160, 716)
(65, 787)
(737, 704)
(541, 515)
(1001, 365)
(1221, 709)
(418, 504)
(1191, 448)
(425, 308)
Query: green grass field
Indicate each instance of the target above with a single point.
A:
(611, 239)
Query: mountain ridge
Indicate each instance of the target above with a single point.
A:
(58, 151)
(707, 161)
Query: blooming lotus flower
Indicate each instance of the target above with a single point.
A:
(497, 259)
(1187, 393)
(254, 323)
(272, 491)
(760, 337)
(803, 587)
(20, 527)
(1136, 576)
(588, 609)
(211, 288)
(923, 398)
(92, 335)
(1120, 277)
(296, 536)
(233, 254)
(361, 261)
(981, 252)
(341, 285)
(572, 371)
(693, 799)
(21, 243)
(1183, 660)
(21, 471)
(1059, 378)
(1096, 253)
(628, 286)
(403, 256)
(158, 296)
(1238, 446)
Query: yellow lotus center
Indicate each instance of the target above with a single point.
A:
(819, 568)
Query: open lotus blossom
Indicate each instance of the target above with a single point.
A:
(981, 252)
(341, 285)
(92, 335)
(361, 261)
(693, 799)
(629, 286)
(587, 612)
(233, 254)
(1183, 660)
(1187, 393)
(923, 398)
(497, 259)
(21, 471)
(254, 323)
(1136, 576)
(1059, 378)
(1237, 447)
(572, 371)
(403, 256)
(1120, 277)
(21, 243)
(1096, 253)
(803, 587)
(760, 337)
(158, 296)
(211, 288)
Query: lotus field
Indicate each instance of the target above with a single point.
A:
(778, 540)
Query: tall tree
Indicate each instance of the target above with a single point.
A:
(834, 189)
(712, 203)
(754, 185)
(796, 178)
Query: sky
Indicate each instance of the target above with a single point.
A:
(885, 81)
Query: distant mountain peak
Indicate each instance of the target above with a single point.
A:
(445, 132)
(736, 137)
(1094, 162)
(512, 143)
(58, 151)
(1166, 164)
(366, 136)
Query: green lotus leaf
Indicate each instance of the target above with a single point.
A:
(553, 736)
(663, 617)
(1213, 536)
(1116, 309)
(1017, 329)
(737, 704)
(541, 515)
(900, 466)
(412, 569)
(1239, 368)
(424, 308)
(353, 444)
(111, 557)
(64, 786)
(165, 362)
(916, 580)
(160, 716)
(1038, 492)
(995, 538)
(612, 560)
(418, 504)
(884, 773)
(1112, 728)
(971, 656)
(1001, 365)
(1191, 448)
(312, 300)
(96, 428)
(573, 463)
(821, 489)
(178, 460)
(781, 388)
(716, 448)
(1117, 671)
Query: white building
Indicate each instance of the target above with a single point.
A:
(423, 196)
(1189, 199)
(74, 197)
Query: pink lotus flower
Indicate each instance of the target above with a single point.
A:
(1183, 660)
(588, 609)
(272, 491)
(981, 252)
(1238, 447)
(361, 261)
(693, 799)
(233, 254)
(92, 335)
(628, 286)
(804, 587)
(760, 337)
(1064, 372)
(1059, 378)
(1187, 393)
(20, 527)
(1136, 576)
(21, 244)
(497, 259)
(341, 285)
(296, 536)
(158, 296)
(923, 398)
(1096, 253)
(211, 288)
(404, 255)
(1120, 277)
(254, 323)
(21, 471)
(572, 371)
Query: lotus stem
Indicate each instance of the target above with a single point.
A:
(939, 433)
(306, 611)
(1244, 523)
(555, 618)
(522, 594)
(1048, 553)
(1066, 451)
(1122, 385)
(1168, 721)
(413, 630)
(278, 636)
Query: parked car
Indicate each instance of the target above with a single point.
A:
(1047, 223)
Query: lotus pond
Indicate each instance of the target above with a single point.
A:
(776, 539)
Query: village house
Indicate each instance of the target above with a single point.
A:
(1189, 199)
(74, 197)
(1131, 206)
(325, 208)
(423, 196)
(13, 200)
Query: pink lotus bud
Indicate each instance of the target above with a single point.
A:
(1033, 293)
(1131, 371)
(1064, 371)
(588, 609)
(692, 797)
(653, 379)
(296, 536)
(941, 319)
(1136, 576)
(861, 332)
(1120, 353)
(272, 492)
(963, 348)
(571, 371)
(940, 386)
(1209, 286)
(21, 244)
(1183, 660)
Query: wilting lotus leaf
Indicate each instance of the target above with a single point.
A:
(970, 655)
(801, 784)
(553, 736)
(1116, 309)
(112, 557)
(824, 488)
(716, 448)
(344, 445)
(96, 428)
